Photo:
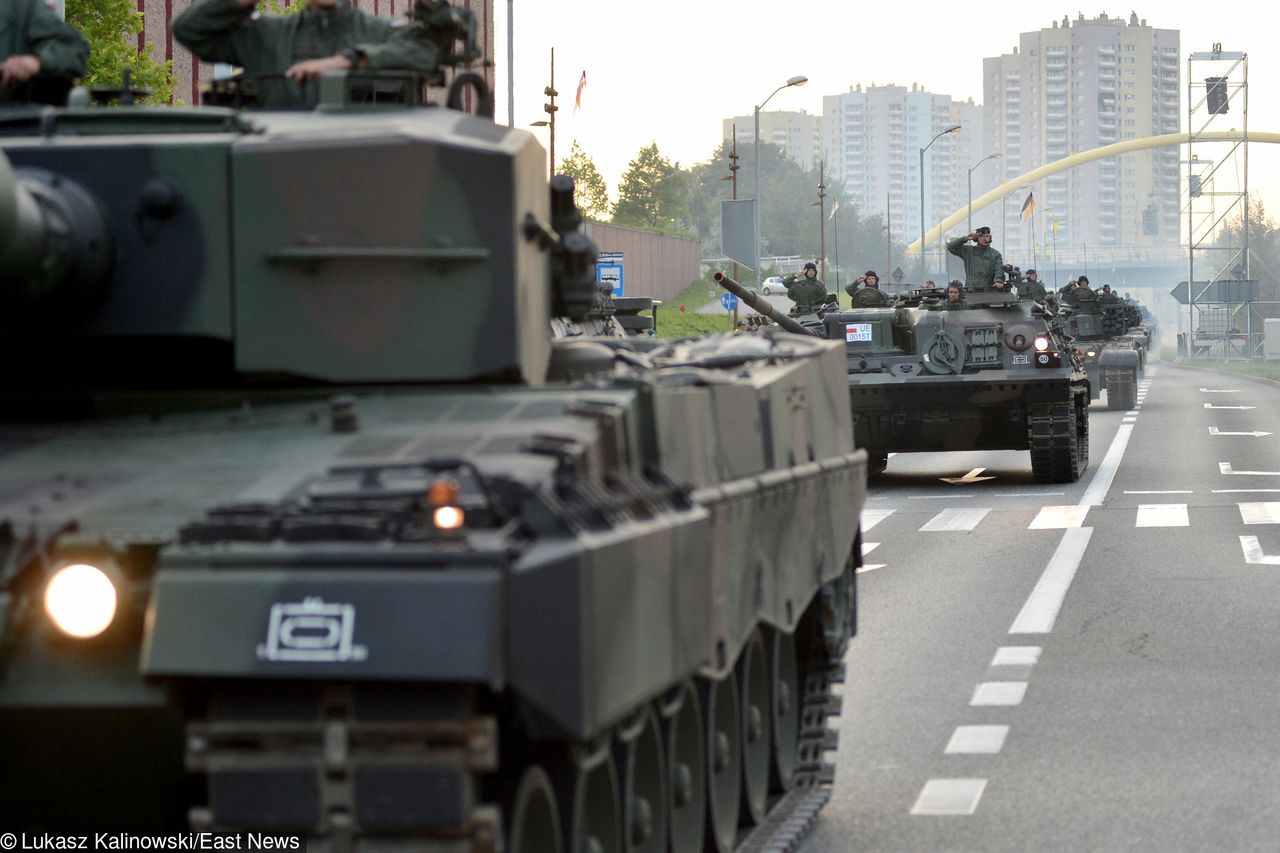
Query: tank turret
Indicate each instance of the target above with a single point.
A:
(309, 525)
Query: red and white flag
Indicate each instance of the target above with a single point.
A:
(577, 99)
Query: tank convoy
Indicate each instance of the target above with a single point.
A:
(310, 525)
(1108, 337)
(991, 372)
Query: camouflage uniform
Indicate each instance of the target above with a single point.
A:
(29, 27)
(226, 31)
(1033, 289)
(807, 293)
(981, 266)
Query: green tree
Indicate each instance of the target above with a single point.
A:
(653, 193)
(591, 193)
(1264, 253)
(111, 28)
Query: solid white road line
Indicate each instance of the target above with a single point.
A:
(977, 740)
(1167, 492)
(999, 693)
(949, 797)
(1260, 513)
(1245, 491)
(1016, 656)
(956, 519)
(1162, 515)
(872, 517)
(1041, 608)
(1101, 483)
(1059, 517)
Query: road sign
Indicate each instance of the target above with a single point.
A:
(729, 301)
(609, 269)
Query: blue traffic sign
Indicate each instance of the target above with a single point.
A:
(729, 301)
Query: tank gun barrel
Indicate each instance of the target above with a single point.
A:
(761, 304)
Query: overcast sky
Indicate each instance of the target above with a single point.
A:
(670, 72)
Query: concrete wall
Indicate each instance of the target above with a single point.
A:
(653, 264)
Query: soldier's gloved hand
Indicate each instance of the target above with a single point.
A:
(301, 72)
(19, 69)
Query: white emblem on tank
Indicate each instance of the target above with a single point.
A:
(312, 631)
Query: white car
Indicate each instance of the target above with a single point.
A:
(773, 284)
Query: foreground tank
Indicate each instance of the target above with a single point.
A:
(310, 526)
(1109, 342)
(993, 373)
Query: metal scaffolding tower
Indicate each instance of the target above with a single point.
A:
(1217, 172)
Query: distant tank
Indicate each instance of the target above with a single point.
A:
(992, 373)
(1112, 356)
(309, 524)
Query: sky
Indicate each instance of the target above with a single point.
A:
(671, 72)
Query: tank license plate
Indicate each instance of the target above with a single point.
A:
(857, 332)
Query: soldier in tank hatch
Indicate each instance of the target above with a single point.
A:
(327, 35)
(1032, 287)
(869, 295)
(982, 264)
(36, 45)
(805, 289)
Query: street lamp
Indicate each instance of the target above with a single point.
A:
(550, 109)
(996, 156)
(954, 128)
(798, 80)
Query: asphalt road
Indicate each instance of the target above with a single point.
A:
(1085, 667)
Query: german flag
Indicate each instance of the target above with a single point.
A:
(1028, 206)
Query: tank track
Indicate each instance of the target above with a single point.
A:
(462, 746)
(1058, 435)
(1122, 388)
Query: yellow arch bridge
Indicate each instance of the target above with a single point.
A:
(934, 233)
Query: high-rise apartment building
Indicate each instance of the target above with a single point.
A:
(872, 139)
(1076, 86)
(798, 134)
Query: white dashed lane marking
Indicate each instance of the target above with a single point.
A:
(956, 519)
(949, 797)
(977, 740)
(872, 517)
(1162, 515)
(1016, 656)
(1260, 513)
(999, 693)
(1059, 517)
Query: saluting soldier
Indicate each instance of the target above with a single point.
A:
(807, 291)
(326, 35)
(981, 262)
(34, 42)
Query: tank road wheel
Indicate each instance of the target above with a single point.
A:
(724, 761)
(533, 823)
(1055, 431)
(784, 679)
(644, 786)
(1122, 388)
(587, 785)
(686, 768)
(757, 722)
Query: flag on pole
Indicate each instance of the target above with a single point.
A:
(1055, 225)
(834, 208)
(1029, 206)
(577, 99)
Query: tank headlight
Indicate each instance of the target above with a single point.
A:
(81, 600)
(448, 517)
(442, 494)
(1042, 343)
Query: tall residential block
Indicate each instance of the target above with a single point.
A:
(798, 134)
(872, 138)
(1072, 87)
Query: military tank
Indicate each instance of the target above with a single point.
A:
(310, 526)
(992, 372)
(1108, 343)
